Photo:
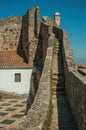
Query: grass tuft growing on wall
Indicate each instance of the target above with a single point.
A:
(49, 118)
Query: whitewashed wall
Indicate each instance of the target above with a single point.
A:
(7, 80)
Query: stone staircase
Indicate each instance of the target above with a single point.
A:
(62, 118)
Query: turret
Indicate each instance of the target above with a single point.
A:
(57, 19)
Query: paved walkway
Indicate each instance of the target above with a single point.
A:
(12, 112)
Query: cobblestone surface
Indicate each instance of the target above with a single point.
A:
(12, 111)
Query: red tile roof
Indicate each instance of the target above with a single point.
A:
(13, 59)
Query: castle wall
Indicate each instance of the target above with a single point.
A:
(30, 32)
(21, 33)
(75, 85)
(37, 22)
(31, 23)
(44, 39)
(41, 50)
(10, 30)
(38, 113)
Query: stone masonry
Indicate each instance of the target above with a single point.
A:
(10, 30)
(21, 33)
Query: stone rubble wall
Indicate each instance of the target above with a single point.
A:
(30, 32)
(41, 50)
(44, 39)
(10, 30)
(37, 114)
(75, 85)
(21, 32)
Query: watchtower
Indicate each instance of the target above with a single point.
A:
(57, 19)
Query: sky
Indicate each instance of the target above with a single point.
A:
(73, 18)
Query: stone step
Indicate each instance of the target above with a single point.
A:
(54, 82)
(57, 51)
(60, 92)
(55, 78)
(60, 74)
(55, 75)
(54, 93)
(59, 54)
(60, 89)
(54, 88)
(58, 48)
(66, 120)
(60, 84)
(61, 80)
(61, 77)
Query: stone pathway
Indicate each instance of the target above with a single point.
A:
(62, 118)
(65, 117)
(12, 112)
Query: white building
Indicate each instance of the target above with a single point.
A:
(15, 72)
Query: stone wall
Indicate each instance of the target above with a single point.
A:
(82, 69)
(21, 33)
(10, 30)
(38, 113)
(75, 85)
(41, 50)
(29, 32)
(44, 39)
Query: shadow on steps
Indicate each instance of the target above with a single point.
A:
(65, 116)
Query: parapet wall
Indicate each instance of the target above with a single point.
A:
(75, 85)
(37, 114)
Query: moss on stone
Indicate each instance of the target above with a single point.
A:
(49, 118)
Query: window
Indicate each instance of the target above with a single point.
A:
(17, 77)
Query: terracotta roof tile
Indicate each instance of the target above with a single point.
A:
(13, 59)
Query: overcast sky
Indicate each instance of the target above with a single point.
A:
(73, 18)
